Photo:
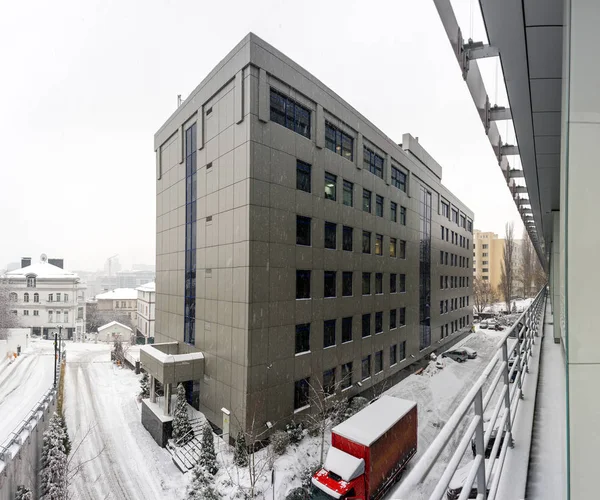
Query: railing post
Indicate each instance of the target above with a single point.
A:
(479, 449)
(507, 394)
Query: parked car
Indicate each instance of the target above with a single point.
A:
(460, 355)
(498, 327)
(458, 481)
(488, 450)
(471, 353)
(483, 325)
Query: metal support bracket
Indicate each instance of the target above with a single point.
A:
(473, 50)
(509, 149)
(498, 113)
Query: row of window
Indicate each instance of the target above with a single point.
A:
(452, 214)
(331, 384)
(123, 304)
(397, 248)
(453, 282)
(454, 326)
(455, 303)
(456, 238)
(455, 260)
(303, 276)
(13, 297)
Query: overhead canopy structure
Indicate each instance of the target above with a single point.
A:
(527, 37)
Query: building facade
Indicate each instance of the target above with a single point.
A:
(133, 279)
(297, 245)
(488, 255)
(146, 312)
(45, 297)
(119, 304)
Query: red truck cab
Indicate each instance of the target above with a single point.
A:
(368, 451)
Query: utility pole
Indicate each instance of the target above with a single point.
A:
(55, 355)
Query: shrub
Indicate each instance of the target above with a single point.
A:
(280, 441)
(295, 431)
(306, 473)
(356, 404)
(240, 452)
(297, 494)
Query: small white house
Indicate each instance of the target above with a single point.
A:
(114, 331)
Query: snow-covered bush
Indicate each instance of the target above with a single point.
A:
(66, 439)
(201, 486)
(54, 462)
(355, 405)
(118, 352)
(280, 441)
(295, 431)
(145, 386)
(297, 494)
(23, 493)
(306, 473)
(240, 452)
(208, 457)
(182, 429)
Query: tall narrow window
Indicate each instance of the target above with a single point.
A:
(348, 194)
(330, 186)
(347, 237)
(403, 216)
(290, 114)
(366, 242)
(303, 176)
(378, 361)
(366, 283)
(31, 282)
(303, 284)
(329, 283)
(329, 382)
(393, 354)
(378, 244)
(393, 247)
(302, 338)
(393, 278)
(378, 205)
(347, 329)
(189, 323)
(25, 297)
(379, 322)
(402, 251)
(393, 211)
(366, 367)
(402, 319)
(366, 325)
(424, 269)
(302, 230)
(393, 319)
(367, 200)
(330, 235)
(347, 284)
(301, 393)
(329, 333)
(36, 297)
(378, 283)
(402, 349)
(346, 375)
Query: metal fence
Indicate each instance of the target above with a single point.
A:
(502, 380)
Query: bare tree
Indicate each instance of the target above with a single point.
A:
(527, 263)
(507, 268)
(539, 275)
(7, 317)
(484, 294)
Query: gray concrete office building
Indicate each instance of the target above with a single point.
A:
(297, 245)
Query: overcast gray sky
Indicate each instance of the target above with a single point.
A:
(87, 83)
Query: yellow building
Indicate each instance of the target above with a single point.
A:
(488, 252)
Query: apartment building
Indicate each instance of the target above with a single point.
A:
(146, 311)
(488, 254)
(119, 304)
(297, 245)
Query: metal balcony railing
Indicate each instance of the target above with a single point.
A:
(502, 380)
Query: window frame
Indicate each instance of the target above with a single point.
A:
(291, 120)
(329, 288)
(303, 222)
(332, 179)
(305, 169)
(345, 231)
(345, 322)
(347, 187)
(329, 340)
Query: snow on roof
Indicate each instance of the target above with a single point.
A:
(164, 358)
(343, 464)
(112, 323)
(118, 294)
(372, 422)
(148, 287)
(42, 270)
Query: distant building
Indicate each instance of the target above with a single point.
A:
(145, 306)
(133, 279)
(488, 252)
(45, 297)
(114, 331)
(120, 303)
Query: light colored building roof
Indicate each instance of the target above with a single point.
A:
(148, 287)
(112, 323)
(42, 270)
(118, 294)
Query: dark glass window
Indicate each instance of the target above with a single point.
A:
(189, 328)
(399, 179)
(393, 354)
(366, 325)
(393, 319)
(330, 235)
(303, 176)
(441, 307)
(445, 210)
(393, 211)
(347, 284)
(378, 283)
(302, 230)
(366, 367)
(424, 270)
(347, 329)
(347, 238)
(329, 283)
(402, 349)
(379, 322)
(348, 198)
(290, 114)
(378, 244)
(442, 228)
(329, 382)
(366, 242)
(329, 333)
(393, 247)
(366, 283)
(402, 319)
(373, 161)
(330, 186)
(339, 142)
(402, 252)
(441, 282)
(301, 393)
(302, 284)
(455, 216)
(403, 216)
(302, 338)
(378, 361)
(393, 282)
(378, 205)
(346, 375)
(366, 200)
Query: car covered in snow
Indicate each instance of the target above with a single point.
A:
(483, 325)
(493, 436)
(459, 355)
(471, 353)
(458, 481)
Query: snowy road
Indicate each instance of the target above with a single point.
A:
(23, 383)
(101, 401)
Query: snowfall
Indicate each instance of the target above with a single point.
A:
(116, 458)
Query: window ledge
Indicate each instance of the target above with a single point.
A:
(329, 347)
(302, 408)
(366, 379)
(301, 353)
(346, 388)
(395, 364)
(347, 342)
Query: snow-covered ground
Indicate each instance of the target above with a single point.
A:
(520, 306)
(23, 383)
(101, 398)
